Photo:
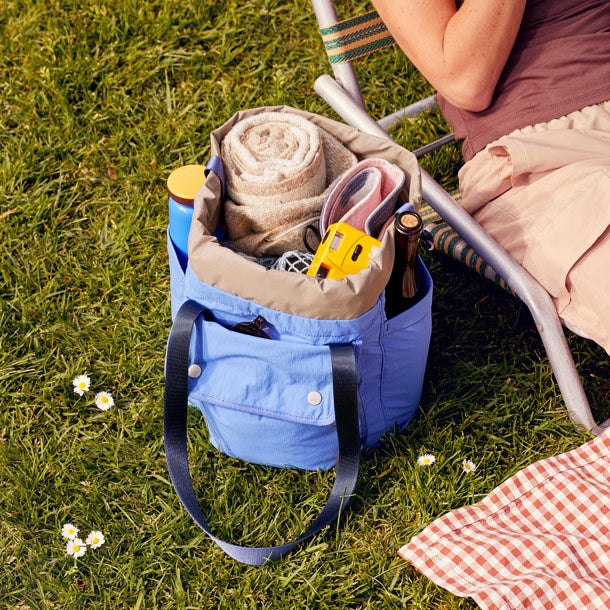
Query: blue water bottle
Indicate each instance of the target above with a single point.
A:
(182, 186)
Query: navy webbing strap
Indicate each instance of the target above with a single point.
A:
(176, 397)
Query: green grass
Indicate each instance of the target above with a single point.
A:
(99, 101)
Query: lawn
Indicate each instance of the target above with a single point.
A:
(99, 101)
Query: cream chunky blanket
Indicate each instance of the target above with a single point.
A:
(279, 169)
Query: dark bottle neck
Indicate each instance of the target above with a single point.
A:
(407, 229)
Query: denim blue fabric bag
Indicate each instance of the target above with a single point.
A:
(333, 375)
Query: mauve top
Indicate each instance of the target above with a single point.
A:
(560, 63)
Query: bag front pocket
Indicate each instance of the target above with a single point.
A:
(265, 401)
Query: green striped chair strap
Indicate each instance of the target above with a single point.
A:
(448, 241)
(355, 37)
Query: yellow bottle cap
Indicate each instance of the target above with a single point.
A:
(184, 182)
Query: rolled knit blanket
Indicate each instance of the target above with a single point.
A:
(279, 168)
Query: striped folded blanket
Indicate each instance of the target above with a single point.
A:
(279, 169)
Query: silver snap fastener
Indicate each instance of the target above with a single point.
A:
(194, 371)
(314, 398)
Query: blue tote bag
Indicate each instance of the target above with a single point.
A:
(332, 376)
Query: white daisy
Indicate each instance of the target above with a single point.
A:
(426, 460)
(69, 531)
(76, 547)
(95, 540)
(81, 384)
(468, 466)
(103, 401)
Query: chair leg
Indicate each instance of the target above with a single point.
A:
(387, 122)
(424, 150)
(524, 285)
(326, 15)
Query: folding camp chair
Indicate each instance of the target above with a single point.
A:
(453, 229)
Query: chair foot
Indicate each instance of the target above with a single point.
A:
(597, 430)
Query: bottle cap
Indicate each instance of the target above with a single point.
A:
(408, 222)
(184, 182)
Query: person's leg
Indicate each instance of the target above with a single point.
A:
(589, 286)
(552, 218)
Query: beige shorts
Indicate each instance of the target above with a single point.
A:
(543, 192)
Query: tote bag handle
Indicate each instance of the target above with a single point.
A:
(343, 363)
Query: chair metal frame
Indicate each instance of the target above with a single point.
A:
(343, 94)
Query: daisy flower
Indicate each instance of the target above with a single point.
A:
(426, 460)
(95, 540)
(76, 547)
(103, 401)
(69, 531)
(468, 466)
(81, 384)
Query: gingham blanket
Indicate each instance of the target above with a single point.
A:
(541, 540)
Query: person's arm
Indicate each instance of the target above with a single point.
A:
(461, 52)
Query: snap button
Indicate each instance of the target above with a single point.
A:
(194, 371)
(314, 398)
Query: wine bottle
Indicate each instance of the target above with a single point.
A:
(402, 290)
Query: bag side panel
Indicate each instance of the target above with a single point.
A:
(405, 340)
(176, 277)
(392, 365)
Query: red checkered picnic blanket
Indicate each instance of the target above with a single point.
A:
(541, 540)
